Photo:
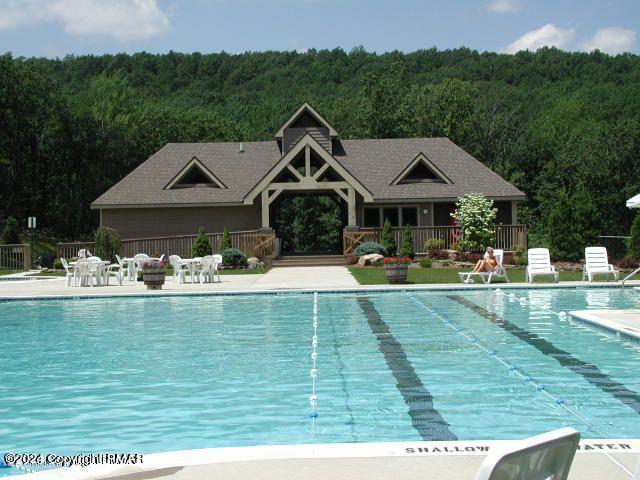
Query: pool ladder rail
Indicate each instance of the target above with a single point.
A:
(635, 272)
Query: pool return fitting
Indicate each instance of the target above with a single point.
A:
(537, 385)
(313, 398)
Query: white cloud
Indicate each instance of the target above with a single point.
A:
(548, 35)
(611, 40)
(504, 6)
(121, 19)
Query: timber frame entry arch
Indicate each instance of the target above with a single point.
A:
(329, 176)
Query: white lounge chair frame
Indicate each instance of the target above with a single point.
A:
(540, 264)
(547, 456)
(499, 272)
(596, 262)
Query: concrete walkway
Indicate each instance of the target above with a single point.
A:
(306, 277)
(286, 278)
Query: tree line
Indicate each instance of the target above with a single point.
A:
(563, 127)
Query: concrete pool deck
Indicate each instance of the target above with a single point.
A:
(625, 322)
(595, 460)
(277, 279)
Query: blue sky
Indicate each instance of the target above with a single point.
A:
(58, 27)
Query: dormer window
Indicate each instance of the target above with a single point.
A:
(421, 170)
(194, 174)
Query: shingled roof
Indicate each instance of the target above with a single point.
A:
(375, 163)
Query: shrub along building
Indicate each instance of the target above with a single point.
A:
(409, 181)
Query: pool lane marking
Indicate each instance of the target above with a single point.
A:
(588, 371)
(424, 417)
(529, 380)
(341, 369)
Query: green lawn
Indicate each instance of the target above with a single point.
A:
(375, 275)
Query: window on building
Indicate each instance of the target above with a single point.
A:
(410, 216)
(372, 217)
(392, 214)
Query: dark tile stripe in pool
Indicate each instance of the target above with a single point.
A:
(589, 371)
(424, 417)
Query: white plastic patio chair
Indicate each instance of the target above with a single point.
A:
(117, 270)
(87, 272)
(540, 264)
(596, 262)
(204, 270)
(70, 273)
(180, 268)
(547, 456)
(84, 253)
(138, 260)
(499, 271)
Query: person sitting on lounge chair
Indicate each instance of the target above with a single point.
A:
(488, 264)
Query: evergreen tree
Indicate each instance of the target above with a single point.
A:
(201, 247)
(407, 244)
(108, 243)
(564, 242)
(634, 242)
(225, 241)
(11, 232)
(388, 239)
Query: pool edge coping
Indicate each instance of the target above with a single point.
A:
(209, 456)
(291, 291)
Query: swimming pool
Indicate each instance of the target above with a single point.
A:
(153, 374)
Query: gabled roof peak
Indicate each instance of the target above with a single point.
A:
(305, 107)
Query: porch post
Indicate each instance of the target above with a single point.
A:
(265, 209)
(351, 205)
(514, 212)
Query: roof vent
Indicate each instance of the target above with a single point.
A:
(241, 150)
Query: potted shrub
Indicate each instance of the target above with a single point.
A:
(396, 269)
(153, 273)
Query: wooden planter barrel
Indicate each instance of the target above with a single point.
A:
(396, 273)
(153, 279)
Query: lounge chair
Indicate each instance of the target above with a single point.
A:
(597, 263)
(486, 277)
(540, 264)
(547, 456)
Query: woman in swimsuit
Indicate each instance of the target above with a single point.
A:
(488, 263)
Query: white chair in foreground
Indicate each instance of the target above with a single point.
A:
(546, 456)
(87, 272)
(540, 264)
(209, 268)
(117, 270)
(180, 268)
(138, 260)
(486, 277)
(596, 262)
(70, 273)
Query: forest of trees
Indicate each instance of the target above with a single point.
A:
(563, 127)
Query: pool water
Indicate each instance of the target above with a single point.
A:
(169, 373)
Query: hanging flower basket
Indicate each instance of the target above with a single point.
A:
(153, 274)
(396, 269)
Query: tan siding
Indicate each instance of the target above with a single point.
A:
(159, 222)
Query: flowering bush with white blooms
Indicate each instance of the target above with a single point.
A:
(476, 216)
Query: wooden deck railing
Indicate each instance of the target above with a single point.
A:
(250, 242)
(507, 237)
(15, 257)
